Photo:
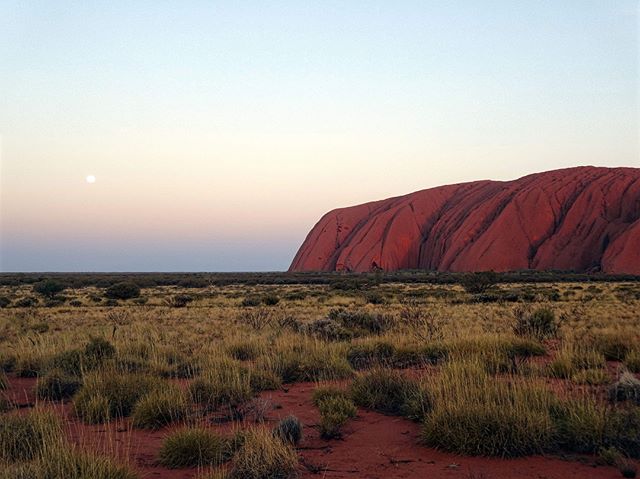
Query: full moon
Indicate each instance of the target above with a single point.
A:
(90, 179)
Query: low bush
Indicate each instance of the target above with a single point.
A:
(159, 408)
(123, 290)
(270, 299)
(48, 288)
(289, 429)
(25, 302)
(480, 282)
(362, 322)
(56, 385)
(195, 448)
(250, 301)
(4, 302)
(179, 300)
(264, 456)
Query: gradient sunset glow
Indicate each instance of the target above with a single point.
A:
(218, 133)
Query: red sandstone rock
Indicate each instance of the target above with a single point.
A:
(578, 219)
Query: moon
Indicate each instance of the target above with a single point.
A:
(90, 179)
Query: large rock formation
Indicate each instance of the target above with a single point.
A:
(578, 219)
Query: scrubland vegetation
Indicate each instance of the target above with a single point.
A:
(484, 368)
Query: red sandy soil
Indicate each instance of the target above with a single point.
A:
(373, 446)
(577, 219)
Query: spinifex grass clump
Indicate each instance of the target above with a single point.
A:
(537, 323)
(263, 455)
(195, 447)
(24, 437)
(69, 463)
(159, 408)
(223, 384)
(56, 385)
(289, 429)
(473, 413)
(295, 358)
(107, 395)
(335, 411)
(390, 392)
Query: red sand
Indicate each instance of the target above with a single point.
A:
(580, 219)
(374, 446)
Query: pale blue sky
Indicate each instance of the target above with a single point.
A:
(219, 132)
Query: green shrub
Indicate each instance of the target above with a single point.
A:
(289, 429)
(372, 323)
(480, 282)
(48, 288)
(159, 408)
(123, 290)
(270, 299)
(56, 385)
(335, 411)
(109, 395)
(179, 300)
(194, 448)
(264, 456)
(250, 301)
(26, 302)
(4, 302)
(383, 390)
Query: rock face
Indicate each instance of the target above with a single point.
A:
(577, 219)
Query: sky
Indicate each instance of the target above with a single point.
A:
(220, 132)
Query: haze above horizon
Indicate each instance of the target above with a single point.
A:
(211, 136)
